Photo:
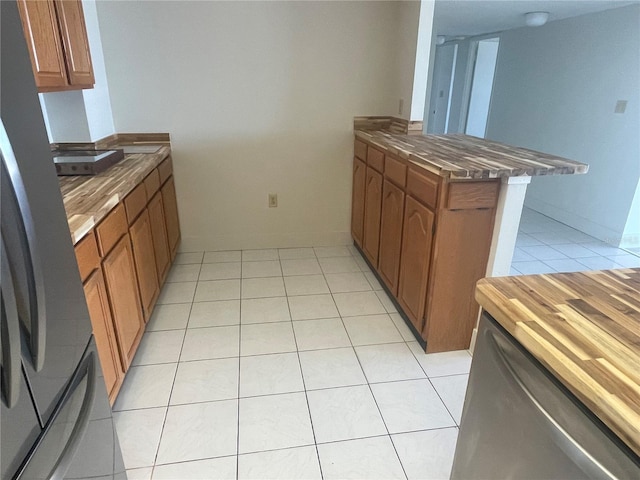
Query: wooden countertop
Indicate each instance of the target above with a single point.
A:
(585, 328)
(458, 156)
(88, 199)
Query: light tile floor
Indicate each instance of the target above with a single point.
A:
(293, 363)
(289, 363)
(547, 246)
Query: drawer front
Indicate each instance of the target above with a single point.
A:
(375, 159)
(395, 171)
(152, 183)
(360, 150)
(109, 231)
(467, 195)
(135, 202)
(165, 169)
(87, 255)
(423, 186)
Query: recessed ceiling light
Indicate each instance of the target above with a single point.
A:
(536, 19)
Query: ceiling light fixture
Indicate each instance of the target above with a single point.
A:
(536, 19)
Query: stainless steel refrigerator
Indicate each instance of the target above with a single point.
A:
(56, 420)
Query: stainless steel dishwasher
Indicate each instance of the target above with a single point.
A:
(519, 422)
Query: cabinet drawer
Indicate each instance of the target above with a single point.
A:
(87, 255)
(135, 202)
(423, 186)
(165, 169)
(466, 195)
(360, 150)
(395, 171)
(152, 183)
(110, 230)
(375, 159)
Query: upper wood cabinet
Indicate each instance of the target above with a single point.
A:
(58, 45)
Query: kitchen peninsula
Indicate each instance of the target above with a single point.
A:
(124, 225)
(435, 213)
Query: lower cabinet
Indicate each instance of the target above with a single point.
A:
(171, 216)
(391, 220)
(372, 202)
(357, 200)
(124, 262)
(417, 238)
(96, 294)
(120, 276)
(428, 237)
(145, 261)
(159, 236)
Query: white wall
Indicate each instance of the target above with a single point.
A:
(96, 100)
(259, 98)
(423, 50)
(555, 90)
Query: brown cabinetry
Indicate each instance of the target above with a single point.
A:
(120, 276)
(428, 238)
(98, 303)
(145, 261)
(159, 236)
(58, 45)
(357, 200)
(417, 238)
(100, 313)
(171, 216)
(391, 234)
(372, 206)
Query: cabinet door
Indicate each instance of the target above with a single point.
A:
(122, 287)
(145, 261)
(40, 27)
(102, 322)
(373, 201)
(159, 234)
(391, 235)
(171, 216)
(357, 200)
(417, 237)
(75, 42)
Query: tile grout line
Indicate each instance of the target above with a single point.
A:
(239, 370)
(304, 385)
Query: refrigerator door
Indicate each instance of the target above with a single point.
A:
(19, 426)
(54, 316)
(518, 422)
(79, 442)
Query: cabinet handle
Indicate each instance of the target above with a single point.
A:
(9, 334)
(28, 245)
(569, 445)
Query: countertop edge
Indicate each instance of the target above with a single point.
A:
(607, 406)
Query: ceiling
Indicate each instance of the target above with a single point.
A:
(477, 17)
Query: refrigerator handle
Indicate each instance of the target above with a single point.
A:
(80, 429)
(571, 446)
(9, 334)
(38, 334)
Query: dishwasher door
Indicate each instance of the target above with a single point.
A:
(518, 422)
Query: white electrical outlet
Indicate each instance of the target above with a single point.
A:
(273, 200)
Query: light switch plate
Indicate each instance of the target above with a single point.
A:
(621, 106)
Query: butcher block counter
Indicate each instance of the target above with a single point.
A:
(585, 329)
(458, 156)
(88, 199)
